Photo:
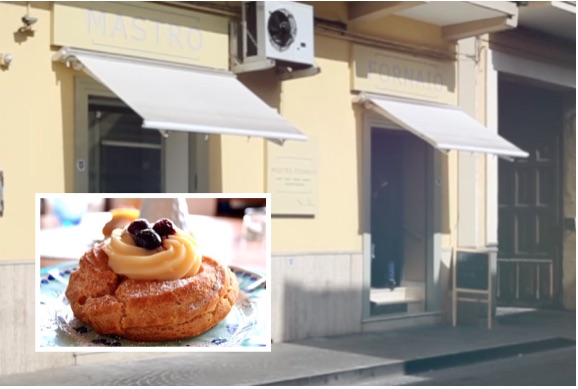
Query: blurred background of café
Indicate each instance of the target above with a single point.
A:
(56, 212)
(230, 229)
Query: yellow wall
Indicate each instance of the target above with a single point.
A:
(37, 121)
(242, 165)
(33, 148)
(321, 106)
(327, 116)
(37, 105)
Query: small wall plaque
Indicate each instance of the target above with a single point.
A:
(292, 177)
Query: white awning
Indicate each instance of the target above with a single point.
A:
(184, 98)
(443, 126)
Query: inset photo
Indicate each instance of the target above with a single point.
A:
(158, 272)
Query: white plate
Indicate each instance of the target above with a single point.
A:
(243, 327)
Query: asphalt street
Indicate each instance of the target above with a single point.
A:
(548, 368)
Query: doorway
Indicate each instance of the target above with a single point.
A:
(398, 222)
(529, 227)
(123, 158)
(387, 208)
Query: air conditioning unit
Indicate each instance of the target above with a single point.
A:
(273, 33)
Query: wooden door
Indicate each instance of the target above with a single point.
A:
(529, 228)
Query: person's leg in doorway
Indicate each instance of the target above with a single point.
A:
(391, 274)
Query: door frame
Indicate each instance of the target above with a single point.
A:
(185, 155)
(84, 87)
(434, 287)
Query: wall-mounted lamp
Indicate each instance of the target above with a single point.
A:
(27, 20)
(5, 59)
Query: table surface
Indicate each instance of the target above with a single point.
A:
(220, 238)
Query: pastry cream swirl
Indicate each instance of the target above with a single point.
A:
(179, 257)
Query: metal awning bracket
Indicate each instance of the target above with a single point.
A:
(63, 55)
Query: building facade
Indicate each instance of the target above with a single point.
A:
(397, 115)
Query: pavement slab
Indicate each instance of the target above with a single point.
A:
(337, 360)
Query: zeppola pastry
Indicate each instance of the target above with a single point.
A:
(150, 283)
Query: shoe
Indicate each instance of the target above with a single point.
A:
(391, 284)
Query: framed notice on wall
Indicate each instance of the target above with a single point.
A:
(292, 177)
(472, 279)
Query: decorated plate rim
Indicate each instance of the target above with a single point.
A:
(247, 304)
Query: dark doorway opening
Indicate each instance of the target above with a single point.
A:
(387, 155)
(123, 157)
(398, 222)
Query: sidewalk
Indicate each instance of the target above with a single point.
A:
(340, 360)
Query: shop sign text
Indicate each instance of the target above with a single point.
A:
(144, 30)
(102, 27)
(385, 72)
(389, 74)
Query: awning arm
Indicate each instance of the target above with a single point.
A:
(68, 58)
